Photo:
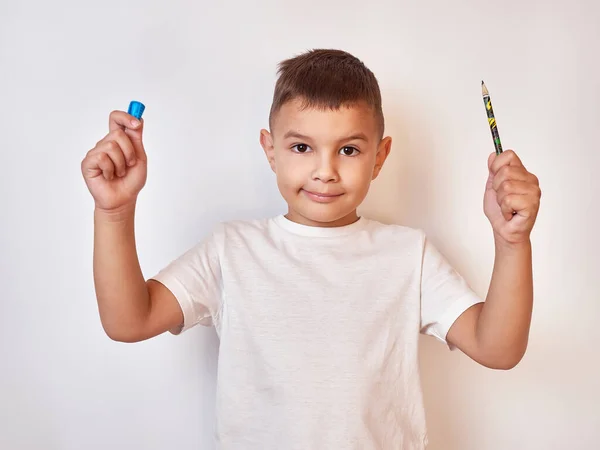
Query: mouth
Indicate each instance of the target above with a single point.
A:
(321, 197)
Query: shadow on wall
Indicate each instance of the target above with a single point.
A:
(403, 191)
(404, 194)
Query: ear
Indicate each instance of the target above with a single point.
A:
(383, 150)
(266, 142)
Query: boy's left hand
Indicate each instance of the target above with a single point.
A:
(512, 198)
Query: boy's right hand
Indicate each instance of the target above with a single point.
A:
(115, 169)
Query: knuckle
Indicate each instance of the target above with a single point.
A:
(119, 133)
(503, 172)
(112, 145)
(103, 158)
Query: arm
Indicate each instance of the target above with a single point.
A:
(130, 308)
(495, 333)
(115, 172)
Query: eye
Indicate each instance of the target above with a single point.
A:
(300, 148)
(349, 151)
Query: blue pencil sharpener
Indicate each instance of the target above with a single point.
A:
(136, 109)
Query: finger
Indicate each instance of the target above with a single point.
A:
(114, 152)
(517, 188)
(512, 173)
(99, 164)
(513, 187)
(125, 145)
(512, 204)
(122, 120)
(509, 205)
(491, 159)
(136, 137)
(89, 166)
(508, 157)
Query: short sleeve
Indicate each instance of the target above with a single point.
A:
(445, 295)
(196, 282)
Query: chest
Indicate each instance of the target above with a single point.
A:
(334, 306)
(295, 283)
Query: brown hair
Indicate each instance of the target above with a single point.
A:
(326, 79)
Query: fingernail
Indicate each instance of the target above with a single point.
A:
(131, 162)
(135, 123)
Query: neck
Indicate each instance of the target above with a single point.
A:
(342, 221)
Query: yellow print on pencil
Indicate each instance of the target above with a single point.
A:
(488, 105)
(492, 122)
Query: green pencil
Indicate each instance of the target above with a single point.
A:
(491, 119)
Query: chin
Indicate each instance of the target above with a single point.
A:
(323, 217)
(321, 212)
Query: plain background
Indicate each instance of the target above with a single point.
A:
(206, 71)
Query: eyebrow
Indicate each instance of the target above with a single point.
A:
(354, 137)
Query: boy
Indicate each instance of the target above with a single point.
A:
(319, 310)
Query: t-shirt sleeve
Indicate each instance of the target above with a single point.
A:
(195, 280)
(445, 295)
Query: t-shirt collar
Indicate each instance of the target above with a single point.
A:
(314, 231)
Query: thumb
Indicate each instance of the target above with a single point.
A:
(490, 180)
(136, 135)
(491, 160)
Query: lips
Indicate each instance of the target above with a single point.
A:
(322, 197)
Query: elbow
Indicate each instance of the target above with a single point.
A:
(122, 334)
(506, 361)
(507, 364)
(124, 338)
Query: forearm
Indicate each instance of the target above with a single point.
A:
(503, 325)
(121, 292)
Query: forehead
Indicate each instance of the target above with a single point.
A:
(324, 122)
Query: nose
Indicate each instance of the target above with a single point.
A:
(325, 170)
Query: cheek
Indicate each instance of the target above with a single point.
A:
(359, 175)
(291, 172)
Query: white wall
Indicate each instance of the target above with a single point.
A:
(206, 73)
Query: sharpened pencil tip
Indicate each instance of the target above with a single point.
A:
(484, 90)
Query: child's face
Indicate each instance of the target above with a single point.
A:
(324, 161)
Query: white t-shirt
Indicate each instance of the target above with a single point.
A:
(318, 330)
